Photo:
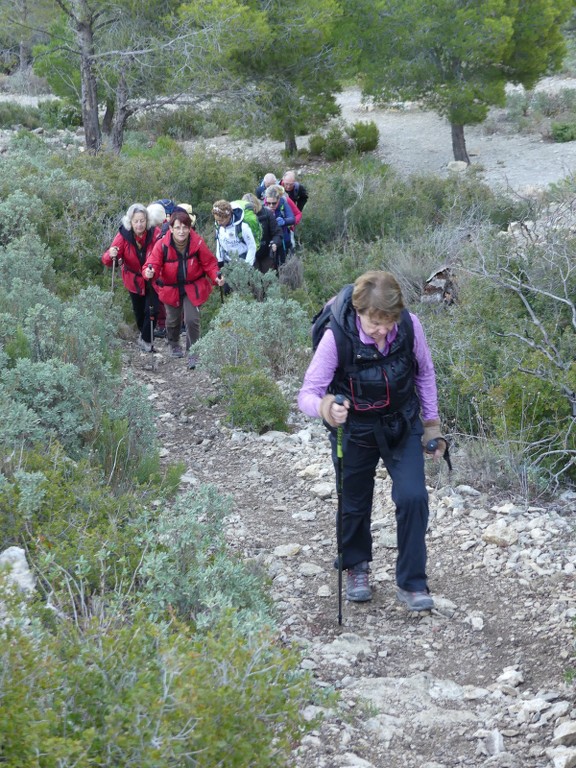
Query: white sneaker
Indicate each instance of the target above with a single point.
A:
(144, 345)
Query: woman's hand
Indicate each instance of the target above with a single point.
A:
(148, 273)
(113, 251)
(332, 412)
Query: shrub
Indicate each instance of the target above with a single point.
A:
(79, 535)
(255, 335)
(562, 132)
(337, 144)
(12, 115)
(183, 123)
(60, 113)
(189, 569)
(364, 135)
(255, 401)
(126, 691)
(317, 144)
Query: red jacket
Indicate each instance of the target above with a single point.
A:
(201, 270)
(295, 210)
(125, 241)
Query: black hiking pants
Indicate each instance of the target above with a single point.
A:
(409, 494)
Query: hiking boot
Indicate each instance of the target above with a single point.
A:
(357, 586)
(144, 345)
(159, 333)
(415, 601)
(176, 351)
(192, 362)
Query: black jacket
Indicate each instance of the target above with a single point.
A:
(271, 233)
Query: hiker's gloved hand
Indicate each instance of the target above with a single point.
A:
(332, 412)
(280, 221)
(432, 431)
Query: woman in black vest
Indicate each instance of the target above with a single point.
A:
(375, 356)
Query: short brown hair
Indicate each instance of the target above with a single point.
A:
(378, 295)
(182, 216)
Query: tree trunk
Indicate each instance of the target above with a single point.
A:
(24, 56)
(108, 117)
(122, 114)
(459, 143)
(83, 22)
(289, 139)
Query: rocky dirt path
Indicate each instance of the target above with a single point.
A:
(479, 681)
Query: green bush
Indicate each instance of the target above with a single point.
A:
(364, 135)
(337, 144)
(127, 692)
(317, 144)
(12, 115)
(255, 401)
(58, 113)
(80, 536)
(562, 132)
(183, 123)
(257, 336)
(188, 567)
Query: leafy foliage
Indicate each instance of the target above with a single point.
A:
(454, 56)
(189, 569)
(255, 335)
(254, 401)
(139, 694)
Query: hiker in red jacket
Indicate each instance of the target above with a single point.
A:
(130, 249)
(184, 271)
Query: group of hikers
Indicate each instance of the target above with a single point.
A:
(371, 378)
(170, 271)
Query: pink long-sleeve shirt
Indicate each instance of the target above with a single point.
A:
(325, 361)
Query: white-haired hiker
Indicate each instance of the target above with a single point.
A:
(130, 249)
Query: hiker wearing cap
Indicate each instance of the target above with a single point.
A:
(233, 235)
(184, 271)
(373, 355)
(157, 218)
(296, 192)
(271, 242)
(130, 249)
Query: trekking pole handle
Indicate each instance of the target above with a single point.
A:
(431, 446)
(339, 400)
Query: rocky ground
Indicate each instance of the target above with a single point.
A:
(479, 681)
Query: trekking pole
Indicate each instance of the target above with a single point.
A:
(339, 399)
(113, 274)
(151, 314)
(219, 275)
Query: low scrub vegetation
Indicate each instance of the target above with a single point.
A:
(144, 626)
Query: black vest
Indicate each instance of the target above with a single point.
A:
(380, 388)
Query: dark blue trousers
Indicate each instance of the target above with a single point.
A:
(409, 494)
